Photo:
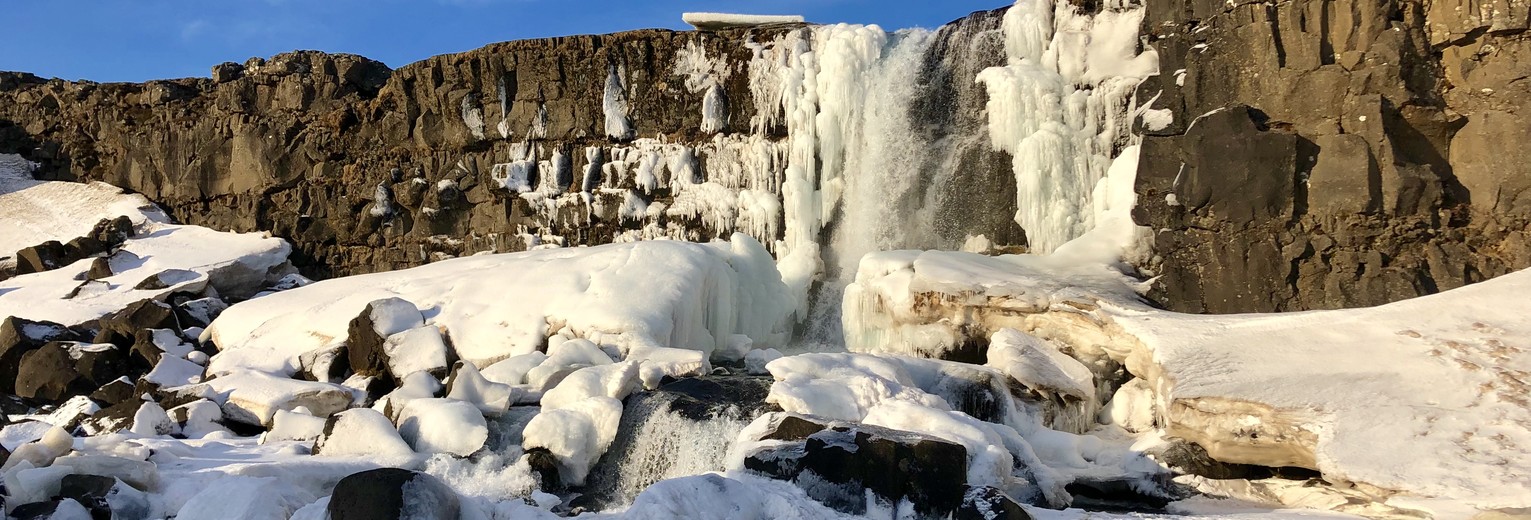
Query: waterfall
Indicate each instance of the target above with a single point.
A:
(682, 429)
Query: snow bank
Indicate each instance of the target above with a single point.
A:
(720, 21)
(623, 296)
(1358, 394)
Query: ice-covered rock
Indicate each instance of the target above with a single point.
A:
(657, 363)
(439, 425)
(755, 362)
(580, 417)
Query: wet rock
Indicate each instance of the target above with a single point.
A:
(392, 493)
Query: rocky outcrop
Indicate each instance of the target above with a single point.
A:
(1334, 154)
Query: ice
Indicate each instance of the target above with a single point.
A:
(614, 104)
(705, 75)
(443, 426)
(1132, 407)
(693, 296)
(1039, 365)
(416, 350)
(52, 444)
(718, 21)
(1055, 109)
(363, 432)
(656, 363)
(755, 362)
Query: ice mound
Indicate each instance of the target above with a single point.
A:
(623, 296)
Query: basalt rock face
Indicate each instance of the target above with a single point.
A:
(366, 168)
(1329, 154)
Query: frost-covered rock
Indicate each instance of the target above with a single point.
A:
(443, 426)
(362, 432)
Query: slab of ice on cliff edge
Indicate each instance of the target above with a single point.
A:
(720, 21)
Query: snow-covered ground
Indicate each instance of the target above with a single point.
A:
(185, 258)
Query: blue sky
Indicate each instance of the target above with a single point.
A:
(125, 40)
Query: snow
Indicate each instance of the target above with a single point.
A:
(1449, 387)
(249, 498)
(579, 417)
(38, 211)
(233, 263)
(151, 420)
(719, 21)
(512, 370)
(693, 296)
(294, 426)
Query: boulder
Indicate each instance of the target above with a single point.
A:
(112, 419)
(139, 315)
(59, 509)
(114, 391)
(439, 425)
(989, 503)
(838, 463)
(392, 493)
(46, 256)
(361, 432)
(19, 336)
(369, 331)
(49, 374)
(253, 398)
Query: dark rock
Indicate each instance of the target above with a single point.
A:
(90, 491)
(166, 279)
(703, 398)
(227, 71)
(114, 392)
(988, 503)
(100, 268)
(364, 346)
(48, 374)
(545, 465)
(142, 314)
(36, 510)
(46, 256)
(384, 493)
(841, 462)
(111, 419)
(19, 336)
(100, 363)
(329, 364)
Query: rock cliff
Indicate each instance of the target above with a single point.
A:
(1296, 155)
(1328, 154)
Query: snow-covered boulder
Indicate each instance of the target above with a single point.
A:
(513, 370)
(294, 426)
(694, 296)
(249, 498)
(420, 349)
(443, 426)
(367, 334)
(491, 398)
(655, 364)
(253, 398)
(362, 432)
(580, 416)
(152, 420)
